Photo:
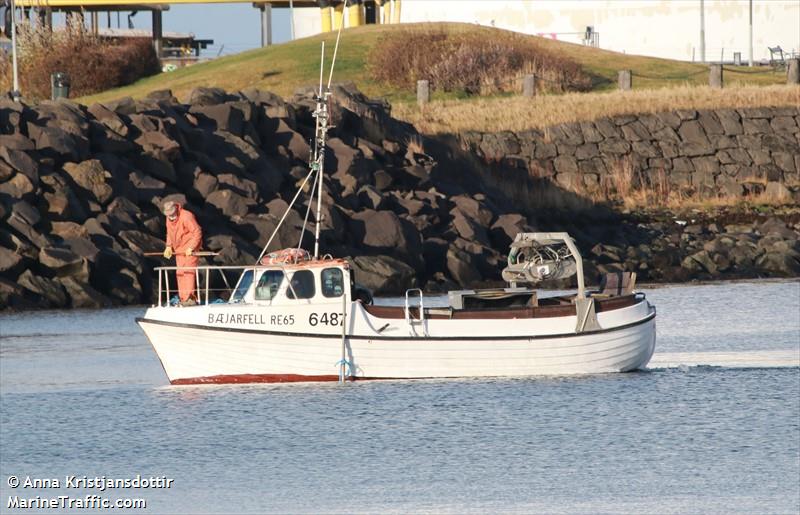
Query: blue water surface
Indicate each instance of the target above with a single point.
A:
(82, 393)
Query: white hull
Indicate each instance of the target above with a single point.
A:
(225, 343)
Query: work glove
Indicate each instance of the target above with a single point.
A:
(189, 251)
(167, 252)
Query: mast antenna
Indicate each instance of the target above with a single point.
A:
(316, 162)
(320, 137)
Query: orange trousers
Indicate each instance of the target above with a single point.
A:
(187, 279)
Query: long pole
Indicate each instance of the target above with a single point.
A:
(343, 362)
(15, 70)
(702, 31)
(750, 59)
(291, 15)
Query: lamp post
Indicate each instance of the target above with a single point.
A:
(702, 31)
(15, 94)
(750, 60)
(291, 17)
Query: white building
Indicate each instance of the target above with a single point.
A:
(659, 28)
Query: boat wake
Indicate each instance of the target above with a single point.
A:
(787, 358)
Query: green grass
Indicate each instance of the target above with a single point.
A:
(283, 68)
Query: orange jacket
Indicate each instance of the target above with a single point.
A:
(184, 233)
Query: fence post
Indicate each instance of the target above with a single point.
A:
(793, 71)
(529, 86)
(625, 80)
(715, 76)
(423, 92)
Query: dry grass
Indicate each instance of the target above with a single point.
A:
(415, 144)
(518, 113)
(285, 67)
(92, 64)
(470, 62)
(625, 185)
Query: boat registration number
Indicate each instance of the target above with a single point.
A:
(334, 318)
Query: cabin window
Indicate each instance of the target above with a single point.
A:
(244, 284)
(332, 282)
(268, 284)
(302, 285)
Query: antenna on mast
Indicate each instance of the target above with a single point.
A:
(316, 161)
(321, 133)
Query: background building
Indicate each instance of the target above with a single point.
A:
(660, 28)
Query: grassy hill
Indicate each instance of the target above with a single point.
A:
(283, 68)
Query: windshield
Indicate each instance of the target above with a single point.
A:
(244, 284)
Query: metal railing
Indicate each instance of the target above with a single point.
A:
(202, 288)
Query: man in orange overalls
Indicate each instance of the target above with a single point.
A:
(184, 237)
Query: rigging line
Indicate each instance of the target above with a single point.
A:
(314, 151)
(336, 48)
(308, 210)
(285, 214)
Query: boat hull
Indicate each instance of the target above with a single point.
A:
(195, 353)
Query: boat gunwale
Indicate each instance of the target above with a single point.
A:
(508, 313)
(650, 316)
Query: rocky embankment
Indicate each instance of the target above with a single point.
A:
(732, 153)
(81, 186)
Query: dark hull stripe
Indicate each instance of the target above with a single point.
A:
(141, 321)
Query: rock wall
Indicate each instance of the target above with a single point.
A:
(81, 186)
(728, 152)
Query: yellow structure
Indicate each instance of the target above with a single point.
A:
(326, 14)
(338, 15)
(355, 14)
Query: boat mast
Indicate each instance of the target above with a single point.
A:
(318, 161)
(317, 155)
(322, 115)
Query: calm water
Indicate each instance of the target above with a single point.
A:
(712, 426)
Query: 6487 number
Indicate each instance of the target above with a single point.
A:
(325, 319)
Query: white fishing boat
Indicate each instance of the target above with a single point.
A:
(299, 321)
(295, 316)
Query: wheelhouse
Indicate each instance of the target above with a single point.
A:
(314, 282)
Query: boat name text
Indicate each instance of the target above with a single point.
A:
(249, 319)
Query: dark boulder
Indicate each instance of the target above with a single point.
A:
(21, 162)
(12, 295)
(141, 242)
(109, 119)
(20, 223)
(462, 267)
(16, 142)
(59, 144)
(104, 139)
(82, 295)
(19, 186)
(159, 146)
(240, 185)
(384, 231)
(63, 262)
(369, 196)
(203, 96)
(10, 262)
(383, 275)
(506, 228)
(228, 202)
(53, 293)
(220, 117)
(92, 178)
